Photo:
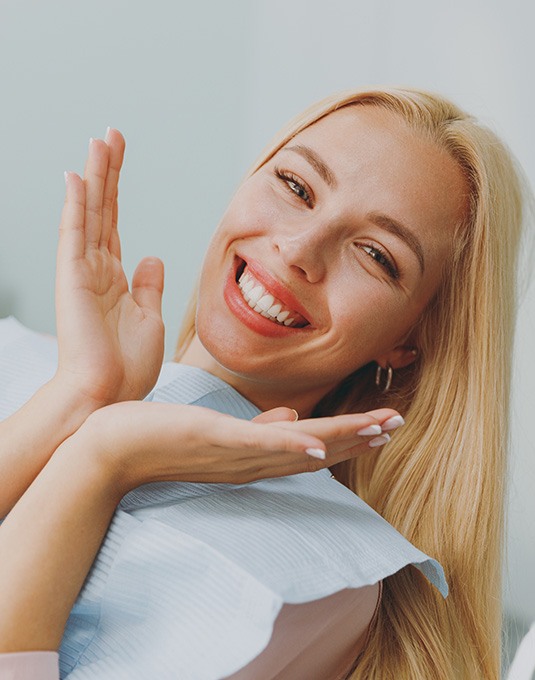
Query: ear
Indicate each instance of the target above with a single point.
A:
(399, 357)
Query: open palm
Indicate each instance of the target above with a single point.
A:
(110, 338)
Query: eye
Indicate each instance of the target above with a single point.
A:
(382, 258)
(295, 185)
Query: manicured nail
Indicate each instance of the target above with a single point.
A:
(91, 140)
(392, 423)
(379, 441)
(108, 129)
(316, 453)
(296, 414)
(66, 175)
(371, 429)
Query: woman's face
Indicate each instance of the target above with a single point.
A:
(345, 230)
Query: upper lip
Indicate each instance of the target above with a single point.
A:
(276, 288)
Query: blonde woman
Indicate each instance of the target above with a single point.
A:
(385, 225)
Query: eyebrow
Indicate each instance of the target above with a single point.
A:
(401, 231)
(315, 161)
(383, 221)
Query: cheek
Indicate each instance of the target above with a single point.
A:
(372, 320)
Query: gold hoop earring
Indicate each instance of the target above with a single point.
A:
(389, 374)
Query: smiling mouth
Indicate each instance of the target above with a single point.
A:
(261, 300)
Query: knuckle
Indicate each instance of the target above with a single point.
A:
(94, 211)
(251, 439)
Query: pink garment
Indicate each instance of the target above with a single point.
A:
(29, 666)
(319, 639)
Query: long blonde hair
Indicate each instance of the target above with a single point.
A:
(441, 480)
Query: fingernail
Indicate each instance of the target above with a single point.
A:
(316, 453)
(392, 423)
(91, 140)
(108, 129)
(296, 414)
(379, 441)
(66, 175)
(371, 429)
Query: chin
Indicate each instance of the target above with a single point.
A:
(230, 351)
(234, 355)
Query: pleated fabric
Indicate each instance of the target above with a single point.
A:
(27, 361)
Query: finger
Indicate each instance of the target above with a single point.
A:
(147, 285)
(116, 145)
(342, 427)
(341, 454)
(114, 244)
(382, 414)
(388, 418)
(71, 227)
(358, 443)
(96, 169)
(276, 415)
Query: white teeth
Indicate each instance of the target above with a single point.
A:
(266, 302)
(273, 311)
(263, 302)
(256, 294)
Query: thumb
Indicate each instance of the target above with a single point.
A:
(147, 284)
(276, 415)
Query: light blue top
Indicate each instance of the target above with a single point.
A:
(191, 577)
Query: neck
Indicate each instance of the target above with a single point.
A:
(262, 394)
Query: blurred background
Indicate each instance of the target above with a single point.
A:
(198, 89)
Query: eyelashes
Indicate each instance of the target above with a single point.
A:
(380, 256)
(298, 188)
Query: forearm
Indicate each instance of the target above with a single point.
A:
(51, 537)
(31, 435)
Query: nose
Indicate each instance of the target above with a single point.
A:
(304, 251)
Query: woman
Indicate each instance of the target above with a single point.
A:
(372, 232)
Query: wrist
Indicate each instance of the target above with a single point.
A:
(97, 461)
(137, 443)
(67, 393)
(32, 434)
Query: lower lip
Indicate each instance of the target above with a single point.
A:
(253, 320)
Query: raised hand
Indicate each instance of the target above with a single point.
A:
(110, 338)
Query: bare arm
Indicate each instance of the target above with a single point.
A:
(32, 434)
(51, 537)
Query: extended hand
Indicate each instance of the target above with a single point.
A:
(110, 339)
(147, 442)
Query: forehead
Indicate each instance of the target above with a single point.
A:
(376, 157)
